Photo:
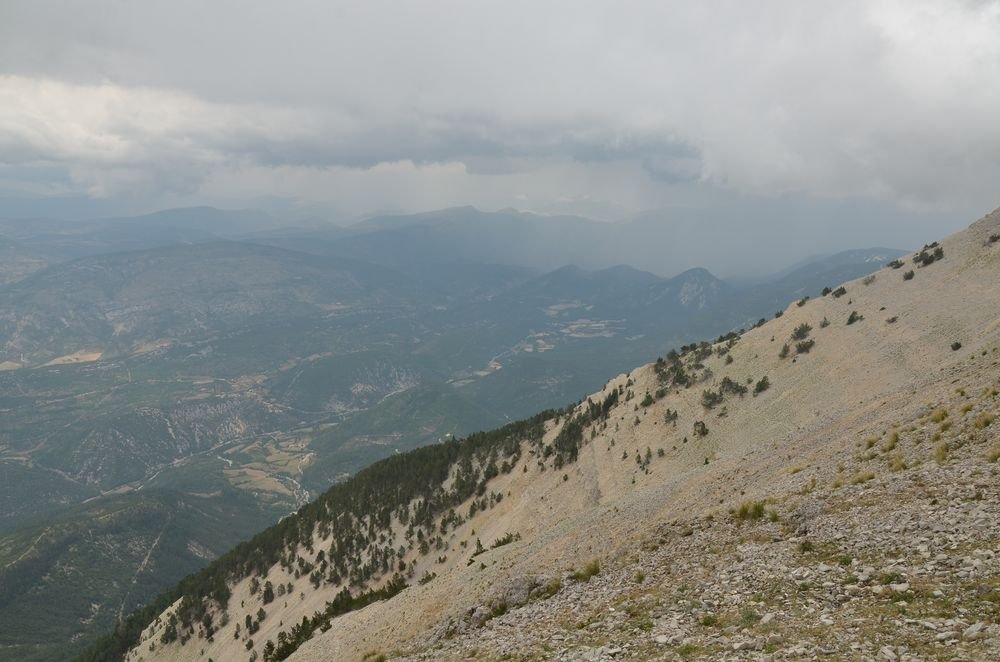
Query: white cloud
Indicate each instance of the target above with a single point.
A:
(890, 99)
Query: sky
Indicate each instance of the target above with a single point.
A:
(608, 109)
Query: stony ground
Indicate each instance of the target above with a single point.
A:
(902, 567)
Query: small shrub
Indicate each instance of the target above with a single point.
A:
(927, 256)
(839, 292)
(983, 420)
(887, 578)
(801, 302)
(941, 452)
(591, 569)
(895, 264)
(700, 430)
(824, 323)
(869, 279)
(710, 398)
(805, 547)
(709, 620)
(804, 346)
(939, 415)
(801, 332)
(955, 346)
(762, 385)
(994, 238)
(511, 537)
(892, 320)
(908, 275)
(552, 587)
(749, 510)
(826, 290)
(784, 352)
(854, 317)
(862, 478)
(687, 650)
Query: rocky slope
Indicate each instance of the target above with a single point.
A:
(845, 506)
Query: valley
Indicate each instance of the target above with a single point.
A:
(248, 379)
(636, 521)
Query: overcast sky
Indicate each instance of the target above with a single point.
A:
(607, 108)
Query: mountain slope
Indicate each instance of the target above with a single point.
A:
(873, 447)
(71, 569)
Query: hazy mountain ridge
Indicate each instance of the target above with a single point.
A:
(117, 303)
(17, 261)
(792, 444)
(665, 243)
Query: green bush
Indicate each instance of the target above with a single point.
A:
(908, 275)
(710, 398)
(854, 317)
(591, 569)
(801, 332)
(749, 510)
(762, 385)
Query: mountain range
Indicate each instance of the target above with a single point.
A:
(819, 485)
(172, 384)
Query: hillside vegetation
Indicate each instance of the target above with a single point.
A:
(823, 484)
